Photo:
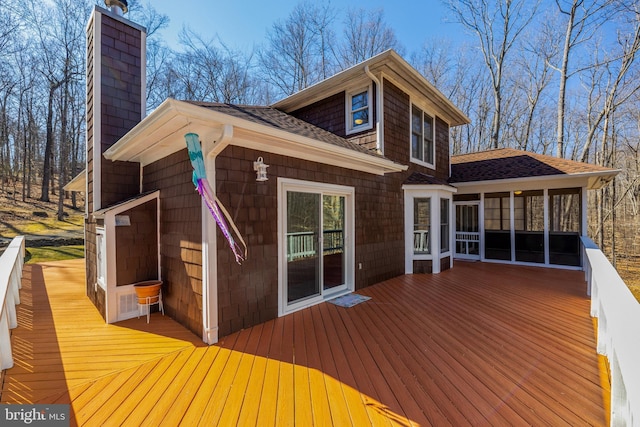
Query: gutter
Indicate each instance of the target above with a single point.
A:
(379, 112)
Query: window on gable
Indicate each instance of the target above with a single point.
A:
(359, 110)
(422, 129)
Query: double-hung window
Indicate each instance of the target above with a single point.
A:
(422, 136)
(358, 107)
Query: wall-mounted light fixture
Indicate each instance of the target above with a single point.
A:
(517, 192)
(261, 170)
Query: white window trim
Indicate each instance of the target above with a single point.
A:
(350, 129)
(287, 184)
(436, 193)
(101, 258)
(433, 136)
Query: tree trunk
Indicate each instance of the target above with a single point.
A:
(48, 148)
(563, 82)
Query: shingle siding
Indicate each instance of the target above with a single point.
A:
(180, 237)
(120, 94)
(248, 294)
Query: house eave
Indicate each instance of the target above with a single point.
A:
(389, 64)
(78, 183)
(429, 187)
(126, 205)
(590, 180)
(162, 133)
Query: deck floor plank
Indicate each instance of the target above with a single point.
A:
(476, 345)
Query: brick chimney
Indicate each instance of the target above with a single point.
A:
(116, 81)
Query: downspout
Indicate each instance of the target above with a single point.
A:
(209, 253)
(379, 112)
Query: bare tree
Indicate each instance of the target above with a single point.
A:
(498, 25)
(296, 52)
(365, 34)
(583, 19)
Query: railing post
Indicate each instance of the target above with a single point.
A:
(618, 314)
(11, 264)
(6, 355)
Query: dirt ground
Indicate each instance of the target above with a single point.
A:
(629, 270)
(38, 220)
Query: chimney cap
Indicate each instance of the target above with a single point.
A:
(122, 4)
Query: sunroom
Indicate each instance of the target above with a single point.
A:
(523, 208)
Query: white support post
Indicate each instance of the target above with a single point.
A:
(546, 227)
(11, 264)
(6, 353)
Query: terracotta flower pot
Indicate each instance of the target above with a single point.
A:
(149, 288)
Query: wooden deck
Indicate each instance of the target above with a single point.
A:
(481, 344)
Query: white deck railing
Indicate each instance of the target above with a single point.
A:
(618, 314)
(11, 263)
(304, 244)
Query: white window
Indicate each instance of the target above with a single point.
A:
(421, 225)
(445, 235)
(359, 111)
(422, 137)
(101, 255)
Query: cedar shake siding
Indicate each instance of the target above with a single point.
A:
(120, 109)
(442, 149)
(327, 114)
(95, 293)
(248, 293)
(137, 254)
(121, 94)
(397, 124)
(397, 134)
(330, 114)
(180, 237)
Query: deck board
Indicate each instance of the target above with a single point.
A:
(481, 344)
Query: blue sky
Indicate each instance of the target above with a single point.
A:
(243, 24)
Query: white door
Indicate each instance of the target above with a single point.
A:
(467, 231)
(318, 251)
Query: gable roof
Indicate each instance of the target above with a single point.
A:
(509, 164)
(277, 119)
(261, 128)
(389, 65)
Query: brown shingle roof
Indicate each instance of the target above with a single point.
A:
(280, 120)
(419, 178)
(508, 163)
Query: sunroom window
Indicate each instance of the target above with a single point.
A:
(359, 110)
(421, 225)
(422, 130)
(445, 235)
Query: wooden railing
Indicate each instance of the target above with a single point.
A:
(11, 263)
(303, 244)
(618, 314)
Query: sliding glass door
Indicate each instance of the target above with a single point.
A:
(303, 245)
(316, 243)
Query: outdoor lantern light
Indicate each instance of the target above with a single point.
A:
(261, 170)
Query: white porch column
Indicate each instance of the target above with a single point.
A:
(546, 224)
(512, 224)
(434, 234)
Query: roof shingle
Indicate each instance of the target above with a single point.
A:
(509, 163)
(272, 117)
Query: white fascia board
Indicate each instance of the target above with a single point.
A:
(124, 206)
(78, 183)
(429, 187)
(162, 133)
(591, 180)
